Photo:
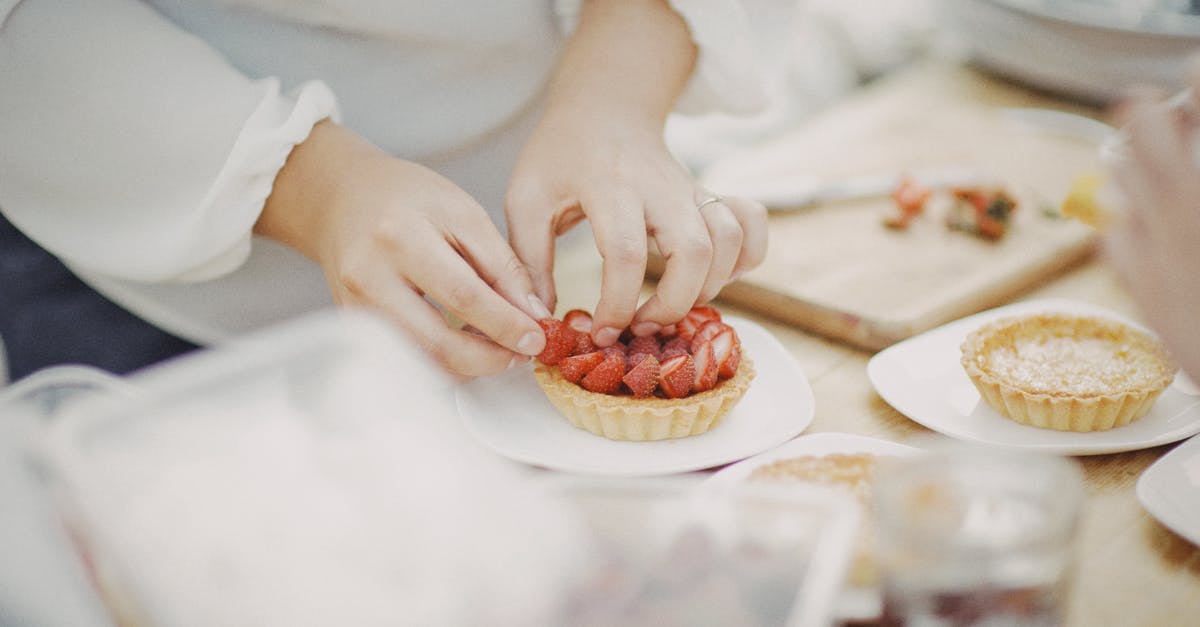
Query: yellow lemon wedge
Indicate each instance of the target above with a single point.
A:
(1083, 202)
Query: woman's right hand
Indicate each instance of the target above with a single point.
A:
(392, 235)
(1153, 243)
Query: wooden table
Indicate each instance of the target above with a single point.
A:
(1131, 569)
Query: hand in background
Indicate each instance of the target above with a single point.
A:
(1155, 244)
(388, 233)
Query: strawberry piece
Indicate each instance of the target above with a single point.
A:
(560, 341)
(724, 344)
(576, 366)
(675, 346)
(617, 348)
(583, 344)
(708, 331)
(706, 368)
(605, 378)
(728, 367)
(647, 345)
(667, 331)
(694, 319)
(643, 378)
(579, 320)
(676, 375)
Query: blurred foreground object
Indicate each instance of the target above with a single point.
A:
(313, 474)
(977, 537)
(1088, 50)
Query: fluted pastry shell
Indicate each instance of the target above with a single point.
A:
(653, 418)
(1067, 372)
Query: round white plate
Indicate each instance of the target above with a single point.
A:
(509, 414)
(1170, 490)
(923, 379)
(859, 603)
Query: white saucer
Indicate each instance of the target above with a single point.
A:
(923, 379)
(859, 603)
(1170, 490)
(509, 414)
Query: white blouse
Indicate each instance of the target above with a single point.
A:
(139, 140)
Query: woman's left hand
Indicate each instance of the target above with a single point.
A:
(617, 172)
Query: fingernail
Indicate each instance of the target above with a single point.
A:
(539, 308)
(607, 335)
(531, 343)
(516, 361)
(646, 328)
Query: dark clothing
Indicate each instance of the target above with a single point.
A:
(49, 317)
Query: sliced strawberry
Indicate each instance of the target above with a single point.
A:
(560, 341)
(708, 331)
(579, 320)
(633, 359)
(706, 368)
(724, 343)
(643, 378)
(676, 376)
(647, 344)
(666, 332)
(728, 367)
(583, 344)
(576, 366)
(605, 378)
(694, 319)
(675, 346)
(617, 348)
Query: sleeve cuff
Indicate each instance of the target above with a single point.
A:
(244, 183)
(727, 77)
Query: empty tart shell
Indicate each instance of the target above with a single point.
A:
(651, 418)
(1067, 372)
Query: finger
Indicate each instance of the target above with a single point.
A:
(459, 352)
(490, 255)
(451, 282)
(619, 227)
(752, 216)
(725, 233)
(687, 249)
(1157, 140)
(533, 243)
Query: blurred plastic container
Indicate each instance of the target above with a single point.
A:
(313, 474)
(317, 474)
(42, 581)
(677, 552)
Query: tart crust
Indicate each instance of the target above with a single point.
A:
(639, 419)
(1067, 372)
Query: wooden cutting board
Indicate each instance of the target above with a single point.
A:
(836, 270)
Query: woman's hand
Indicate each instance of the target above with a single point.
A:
(390, 233)
(619, 175)
(598, 154)
(1154, 243)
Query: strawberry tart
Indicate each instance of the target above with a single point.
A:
(673, 384)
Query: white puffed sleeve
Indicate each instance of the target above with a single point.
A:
(129, 147)
(727, 77)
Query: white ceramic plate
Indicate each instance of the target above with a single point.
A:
(854, 603)
(509, 414)
(1170, 490)
(923, 379)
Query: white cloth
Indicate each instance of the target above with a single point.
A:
(140, 140)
